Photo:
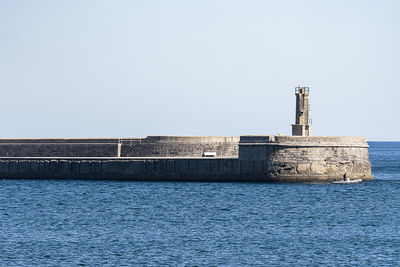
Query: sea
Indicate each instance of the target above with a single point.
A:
(122, 223)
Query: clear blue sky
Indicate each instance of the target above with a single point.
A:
(221, 67)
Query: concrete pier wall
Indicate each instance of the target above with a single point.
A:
(158, 169)
(58, 150)
(290, 157)
(181, 146)
(59, 147)
(151, 146)
(163, 158)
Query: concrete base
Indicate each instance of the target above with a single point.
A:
(308, 158)
(301, 130)
(155, 169)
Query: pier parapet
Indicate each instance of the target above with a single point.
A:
(306, 158)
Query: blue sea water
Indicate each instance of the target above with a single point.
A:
(114, 223)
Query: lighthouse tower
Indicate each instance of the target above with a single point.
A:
(302, 127)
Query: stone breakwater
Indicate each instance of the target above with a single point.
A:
(151, 146)
(180, 158)
(306, 158)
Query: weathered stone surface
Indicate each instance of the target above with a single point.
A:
(306, 157)
(57, 150)
(276, 158)
(181, 146)
(302, 126)
(151, 146)
(318, 168)
(303, 168)
(4, 167)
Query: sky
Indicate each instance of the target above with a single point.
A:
(126, 68)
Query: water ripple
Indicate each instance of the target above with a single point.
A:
(109, 223)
